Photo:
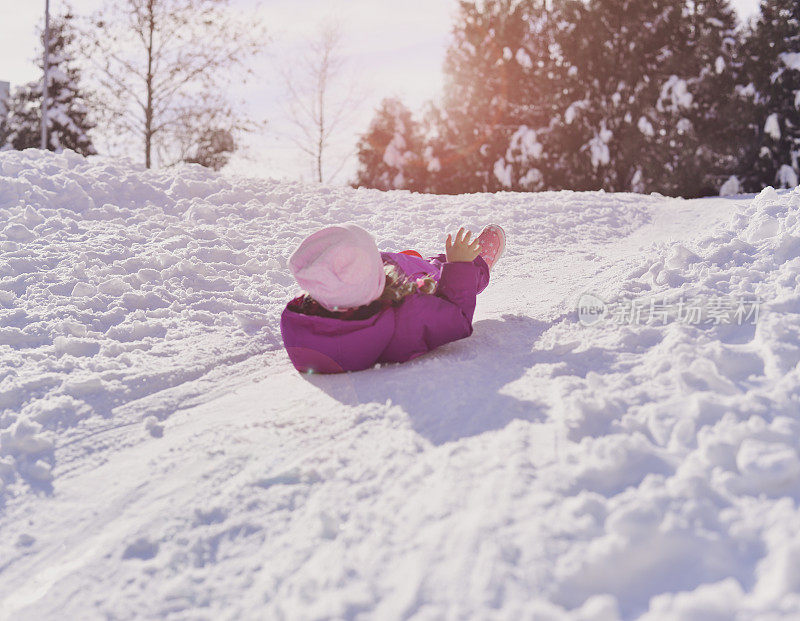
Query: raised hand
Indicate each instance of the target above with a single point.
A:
(460, 248)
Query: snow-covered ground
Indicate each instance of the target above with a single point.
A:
(160, 457)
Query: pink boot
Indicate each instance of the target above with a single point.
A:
(493, 242)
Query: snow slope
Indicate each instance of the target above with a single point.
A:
(160, 458)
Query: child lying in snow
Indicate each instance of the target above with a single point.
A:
(364, 306)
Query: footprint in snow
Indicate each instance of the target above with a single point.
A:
(142, 548)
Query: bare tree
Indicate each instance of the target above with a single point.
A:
(322, 98)
(164, 69)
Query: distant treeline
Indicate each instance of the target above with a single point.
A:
(150, 79)
(665, 96)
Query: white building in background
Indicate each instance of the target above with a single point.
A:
(5, 89)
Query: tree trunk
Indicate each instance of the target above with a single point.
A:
(46, 78)
(319, 162)
(148, 120)
(321, 138)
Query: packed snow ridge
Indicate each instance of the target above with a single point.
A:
(160, 457)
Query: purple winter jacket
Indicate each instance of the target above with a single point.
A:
(420, 323)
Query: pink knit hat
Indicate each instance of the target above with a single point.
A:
(339, 266)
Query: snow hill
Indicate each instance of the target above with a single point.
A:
(160, 457)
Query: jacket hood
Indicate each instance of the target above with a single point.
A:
(319, 342)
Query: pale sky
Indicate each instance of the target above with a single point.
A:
(397, 48)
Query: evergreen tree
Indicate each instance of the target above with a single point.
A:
(487, 86)
(623, 95)
(773, 64)
(391, 154)
(621, 64)
(67, 114)
(213, 149)
(533, 139)
(700, 119)
(617, 94)
(4, 130)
